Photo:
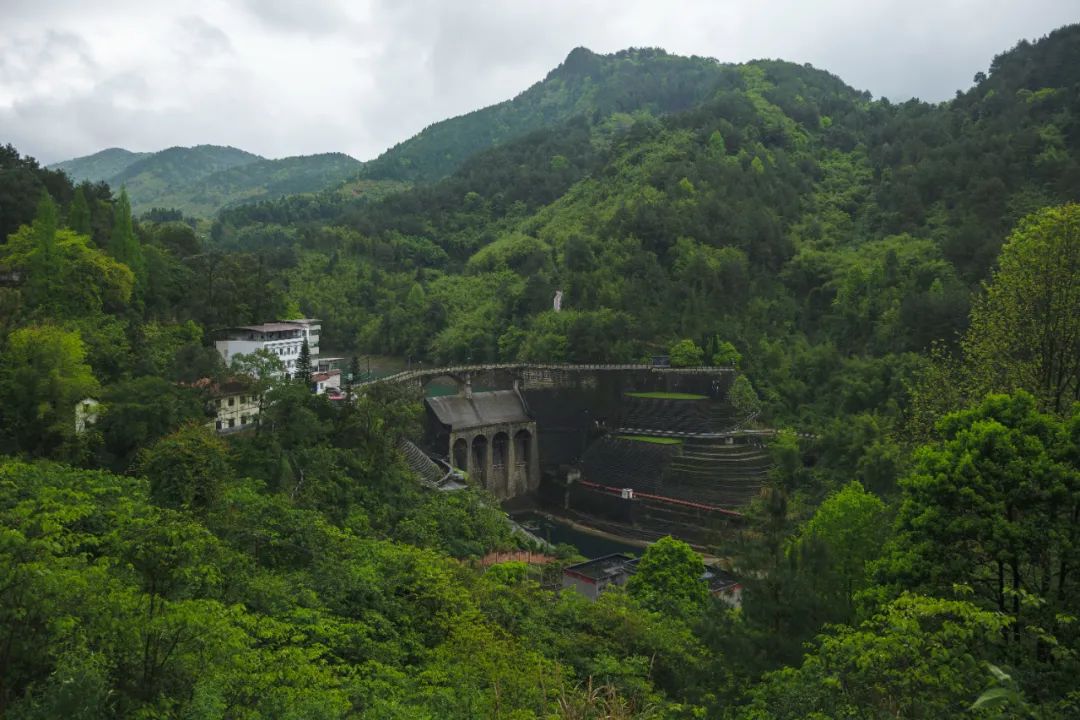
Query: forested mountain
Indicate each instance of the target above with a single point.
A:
(101, 166)
(763, 210)
(200, 180)
(900, 281)
(645, 80)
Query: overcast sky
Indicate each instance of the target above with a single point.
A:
(288, 77)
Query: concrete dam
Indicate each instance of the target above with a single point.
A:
(645, 450)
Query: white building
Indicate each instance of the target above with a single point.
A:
(283, 338)
(327, 382)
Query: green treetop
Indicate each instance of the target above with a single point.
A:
(79, 213)
(303, 365)
(123, 245)
(1025, 330)
(686, 353)
(43, 375)
(669, 579)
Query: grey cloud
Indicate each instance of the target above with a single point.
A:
(202, 38)
(312, 18)
(26, 58)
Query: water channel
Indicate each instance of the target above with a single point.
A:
(589, 545)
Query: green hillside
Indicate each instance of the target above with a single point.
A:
(101, 165)
(785, 205)
(632, 81)
(259, 180)
(201, 180)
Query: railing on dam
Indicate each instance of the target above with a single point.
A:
(458, 370)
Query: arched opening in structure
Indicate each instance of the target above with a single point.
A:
(500, 463)
(523, 455)
(460, 457)
(439, 385)
(479, 460)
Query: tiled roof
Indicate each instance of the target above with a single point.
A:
(483, 408)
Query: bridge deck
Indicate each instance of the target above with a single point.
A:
(428, 373)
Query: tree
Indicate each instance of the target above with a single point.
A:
(43, 266)
(123, 245)
(66, 275)
(686, 353)
(186, 469)
(354, 377)
(1025, 328)
(669, 580)
(303, 365)
(850, 526)
(726, 354)
(993, 509)
(140, 411)
(919, 658)
(79, 214)
(743, 397)
(42, 376)
(265, 370)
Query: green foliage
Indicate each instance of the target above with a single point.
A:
(123, 245)
(686, 353)
(22, 182)
(201, 180)
(140, 411)
(991, 509)
(838, 543)
(1025, 329)
(743, 397)
(79, 214)
(724, 353)
(187, 469)
(643, 79)
(918, 658)
(42, 376)
(303, 365)
(67, 276)
(669, 580)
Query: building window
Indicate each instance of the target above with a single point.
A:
(232, 401)
(218, 424)
(243, 419)
(232, 422)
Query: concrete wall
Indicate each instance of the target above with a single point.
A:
(518, 472)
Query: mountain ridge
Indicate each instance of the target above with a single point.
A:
(202, 179)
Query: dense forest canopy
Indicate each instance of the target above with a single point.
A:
(902, 281)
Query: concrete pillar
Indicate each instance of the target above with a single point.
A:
(513, 482)
(489, 467)
(474, 471)
(534, 461)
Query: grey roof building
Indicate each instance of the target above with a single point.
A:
(489, 435)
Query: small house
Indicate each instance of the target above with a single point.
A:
(592, 577)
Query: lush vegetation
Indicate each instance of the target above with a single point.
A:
(903, 281)
(200, 181)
